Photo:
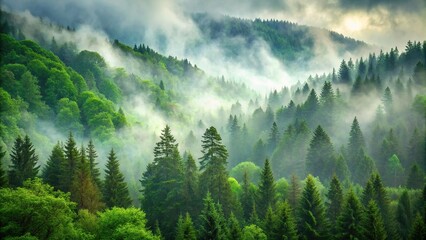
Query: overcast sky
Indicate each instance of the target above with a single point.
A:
(385, 23)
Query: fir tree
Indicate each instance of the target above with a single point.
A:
(374, 228)
(267, 192)
(3, 176)
(312, 223)
(234, 229)
(320, 157)
(214, 177)
(247, 198)
(52, 171)
(418, 230)
(209, 220)
(190, 186)
(415, 178)
(368, 192)
(403, 216)
(24, 162)
(185, 228)
(70, 166)
(94, 170)
(350, 220)
(274, 138)
(356, 143)
(115, 192)
(284, 226)
(294, 192)
(335, 200)
(268, 223)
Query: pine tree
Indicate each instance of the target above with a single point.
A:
(52, 171)
(274, 138)
(83, 190)
(3, 176)
(418, 230)
(335, 200)
(70, 166)
(162, 184)
(294, 192)
(344, 73)
(94, 170)
(382, 200)
(214, 177)
(24, 162)
(190, 186)
(115, 192)
(320, 157)
(415, 178)
(284, 226)
(368, 192)
(312, 223)
(267, 192)
(185, 228)
(268, 223)
(350, 220)
(246, 198)
(403, 216)
(356, 143)
(209, 220)
(234, 229)
(374, 228)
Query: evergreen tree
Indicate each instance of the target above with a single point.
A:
(115, 192)
(162, 184)
(415, 178)
(268, 223)
(247, 198)
(418, 230)
(320, 158)
(94, 170)
(190, 186)
(70, 166)
(311, 106)
(403, 216)
(234, 229)
(368, 192)
(327, 100)
(344, 73)
(3, 176)
(374, 228)
(284, 226)
(274, 138)
(356, 143)
(364, 167)
(52, 171)
(83, 190)
(335, 200)
(214, 177)
(24, 162)
(185, 228)
(312, 222)
(259, 152)
(267, 192)
(294, 192)
(350, 220)
(209, 221)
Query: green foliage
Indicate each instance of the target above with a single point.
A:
(321, 158)
(404, 215)
(351, 218)
(190, 194)
(124, 223)
(253, 232)
(253, 172)
(415, 178)
(234, 228)
(284, 225)
(267, 191)
(3, 175)
(185, 228)
(115, 192)
(210, 227)
(69, 167)
(52, 170)
(91, 157)
(24, 162)
(374, 228)
(335, 200)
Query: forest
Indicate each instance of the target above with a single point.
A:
(102, 139)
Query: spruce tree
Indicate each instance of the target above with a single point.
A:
(24, 162)
(190, 186)
(3, 176)
(320, 158)
(274, 138)
(368, 192)
(350, 220)
(83, 190)
(355, 145)
(94, 170)
(312, 222)
(247, 197)
(294, 192)
(185, 228)
(415, 178)
(52, 171)
(234, 229)
(374, 228)
(209, 220)
(70, 165)
(418, 230)
(268, 223)
(335, 200)
(403, 216)
(214, 177)
(115, 192)
(284, 226)
(267, 192)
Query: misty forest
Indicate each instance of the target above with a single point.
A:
(192, 120)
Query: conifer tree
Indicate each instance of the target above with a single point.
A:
(209, 220)
(267, 192)
(214, 177)
(274, 138)
(94, 170)
(162, 184)
(415, 178)
(284, 226)
(247, 198)
(52, 171)
(312, 222)
(335, 200)
(294, 193)
(115, 191)
(418, 230)
(350, 220)
(24, 162)
(190, 186)
(320, 158)
(3, 176)
(403, 216)
(356, 143)
(368, 192)
(234, 228)
(374, 228)
(185, 228)
(268, 223)
(71, 160)
(83, 190)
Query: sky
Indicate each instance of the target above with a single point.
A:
(384, 23)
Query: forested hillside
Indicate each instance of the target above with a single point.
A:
(125, 143)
